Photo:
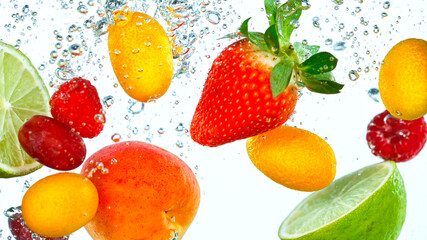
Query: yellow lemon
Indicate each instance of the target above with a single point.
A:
(141, 55)
(294, 158)
(59, 204)
(403, 79)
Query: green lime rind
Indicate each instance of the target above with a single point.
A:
(23, 94)
(368, 204)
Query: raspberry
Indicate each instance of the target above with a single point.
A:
(77, 104)
(395, 139)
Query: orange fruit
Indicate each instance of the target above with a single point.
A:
(294, 158)
(403, 79)
(141, 55)
(59, 204)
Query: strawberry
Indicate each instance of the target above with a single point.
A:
(252, 85)
(395, 139)
(76, 103)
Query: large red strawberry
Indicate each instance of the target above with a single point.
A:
(77, 104)
(396, 139)
(251, 87)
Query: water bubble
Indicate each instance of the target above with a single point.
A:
(65, 52)
(75, 49)
(147, 127)
(72, 28)
(82, 9)
(42, 67)
(179, 144)
(161, 131)
(136, 107)
(116, 137)
(294, 24)
(59, 37)
(339, 46)
(101, 27)
(108, 101)
(12, 212)
(338, 2)
(353, 75)
(99, 118)
(213, 17)
(135, 130)
(316, 24)
(305, 4)
(180, 127)
(58, 45)
(384, 14)
(328, 41)
(376, 29)
(366, 69)
(91, 3)
(373, 93)
(88, 24)
(341, 26)
(386, 5)
(54, 54)
(113, 161)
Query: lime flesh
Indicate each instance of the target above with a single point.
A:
(367, 204)
(22, 95)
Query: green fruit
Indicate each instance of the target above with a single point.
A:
(367, 204)
(22, 95)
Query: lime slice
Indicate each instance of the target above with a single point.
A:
(367, 204)
(22, 95)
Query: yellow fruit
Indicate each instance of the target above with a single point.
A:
(141, 55)
(59, 204)
(294, 158)
(403, 79)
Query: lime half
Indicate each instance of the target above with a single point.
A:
(22, 95)
(367, 204)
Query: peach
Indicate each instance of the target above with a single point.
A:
(145, 193)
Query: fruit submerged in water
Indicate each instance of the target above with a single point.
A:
(52, 143)
(141, 55)
(20, 230)
(59, 204)
(145, 192)
(294, 158)
(403, 79)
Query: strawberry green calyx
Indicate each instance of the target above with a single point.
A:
(300, 63)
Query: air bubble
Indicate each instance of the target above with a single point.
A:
(386, 5)
(82, 9)
(328, 41)
(116, 137)
(373, 93)
(136, 107)
(213, 17)
(384, 14)
(353, 75)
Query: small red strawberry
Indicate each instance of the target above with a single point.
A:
(395, 139)
(77, 104)
(251, 87)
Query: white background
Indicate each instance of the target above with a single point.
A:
(238, 202)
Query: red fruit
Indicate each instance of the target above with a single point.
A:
(237, 100)
(77, 104)
(20, 230)
(52, 143)
(395, 139)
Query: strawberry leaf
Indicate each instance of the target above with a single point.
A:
(305, 51)
(321, 83)
(319, 63)
(272, 39)
(271, 10)
(280, 76)
(256, 38)
(286, 15)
